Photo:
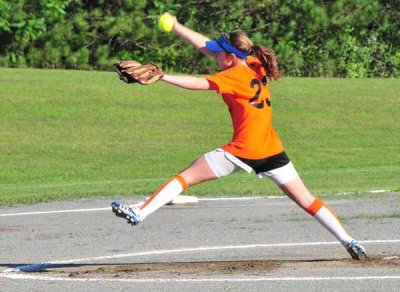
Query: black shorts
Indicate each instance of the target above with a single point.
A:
(267, 164)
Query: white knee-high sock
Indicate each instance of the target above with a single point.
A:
(325, 215)
(165, 194)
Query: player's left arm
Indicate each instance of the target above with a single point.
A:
(187, 82)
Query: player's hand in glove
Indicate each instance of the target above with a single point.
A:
(132, 71)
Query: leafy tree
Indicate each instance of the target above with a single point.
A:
(344, 38)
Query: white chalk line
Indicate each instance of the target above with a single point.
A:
(108, 208)
(54, 212)
(37, 267)
(200, 280)
(200, 199)
(41, 266)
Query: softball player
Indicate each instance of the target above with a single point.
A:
(243, 83)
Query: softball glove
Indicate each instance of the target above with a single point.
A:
(132, 71)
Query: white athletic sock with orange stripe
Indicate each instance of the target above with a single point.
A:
(165, 194)
(325, 215)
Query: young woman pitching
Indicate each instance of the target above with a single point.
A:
(243, 82)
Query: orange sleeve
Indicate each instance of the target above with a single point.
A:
(222, 82)
(235, 81)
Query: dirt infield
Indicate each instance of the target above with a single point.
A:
(215, 245)
(211, 268)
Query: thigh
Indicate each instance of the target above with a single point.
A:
(280, 175)
(291, 184)
(198, 172)
(212, 165)
(298, 192)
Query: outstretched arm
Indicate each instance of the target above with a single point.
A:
(187, 82)
(192, 37)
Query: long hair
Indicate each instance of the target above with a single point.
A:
(266, 55)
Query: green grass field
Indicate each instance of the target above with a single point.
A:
(72, 134)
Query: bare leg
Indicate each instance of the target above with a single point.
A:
(196, 173)
(297, 191)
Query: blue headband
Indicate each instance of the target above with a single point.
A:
(223, 45)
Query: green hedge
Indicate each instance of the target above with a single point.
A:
(343, 38)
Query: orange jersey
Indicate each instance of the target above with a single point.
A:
(249, 102)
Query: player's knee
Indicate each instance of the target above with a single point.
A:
(192, 180)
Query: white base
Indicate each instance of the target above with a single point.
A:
(179, 200)
(184, 200)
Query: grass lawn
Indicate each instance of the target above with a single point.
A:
(72, 134)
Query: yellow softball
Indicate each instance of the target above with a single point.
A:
(166, 22)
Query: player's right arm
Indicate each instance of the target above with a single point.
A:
(192, 37)
(187, 82)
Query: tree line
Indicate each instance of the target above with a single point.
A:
(312, 38)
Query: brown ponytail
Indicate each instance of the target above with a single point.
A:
(268, 60)
(266, 55)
